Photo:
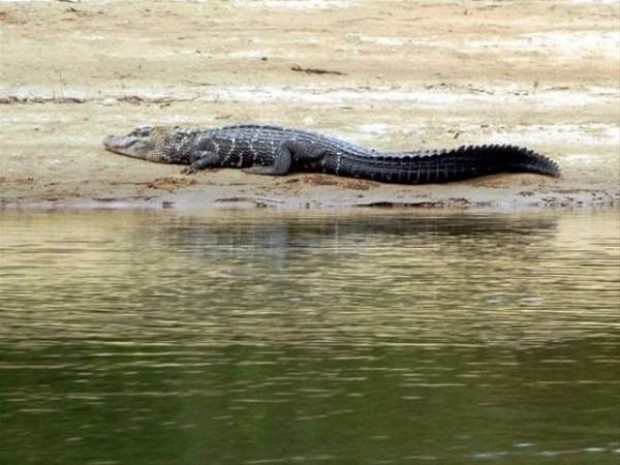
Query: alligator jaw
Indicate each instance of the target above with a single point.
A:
(131, 146)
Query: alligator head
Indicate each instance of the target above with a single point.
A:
(153, 143)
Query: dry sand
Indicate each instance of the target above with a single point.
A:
(388, 74)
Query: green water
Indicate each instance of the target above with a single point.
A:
(238, 338)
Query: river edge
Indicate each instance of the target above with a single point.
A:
(479, 200)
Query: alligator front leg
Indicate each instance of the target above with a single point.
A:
(202, 159)
(289, 152)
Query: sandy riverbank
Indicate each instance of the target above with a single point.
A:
(388, 74)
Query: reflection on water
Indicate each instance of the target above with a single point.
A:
(144, 338)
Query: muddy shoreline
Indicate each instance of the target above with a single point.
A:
(391, 75)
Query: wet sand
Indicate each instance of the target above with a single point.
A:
(386, 74)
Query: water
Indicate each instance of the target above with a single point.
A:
(369, 338)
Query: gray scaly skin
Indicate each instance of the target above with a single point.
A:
(275, 150)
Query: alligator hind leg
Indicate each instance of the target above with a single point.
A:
(288, 152)
(281, 164)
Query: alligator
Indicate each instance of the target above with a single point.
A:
(276, 150)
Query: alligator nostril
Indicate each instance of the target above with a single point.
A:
(107, 141)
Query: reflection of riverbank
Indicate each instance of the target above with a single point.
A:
(218, 279)
(385, 334)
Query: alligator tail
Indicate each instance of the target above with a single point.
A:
(506, 158)
(458, 164)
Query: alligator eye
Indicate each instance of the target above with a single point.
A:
(144, 131)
